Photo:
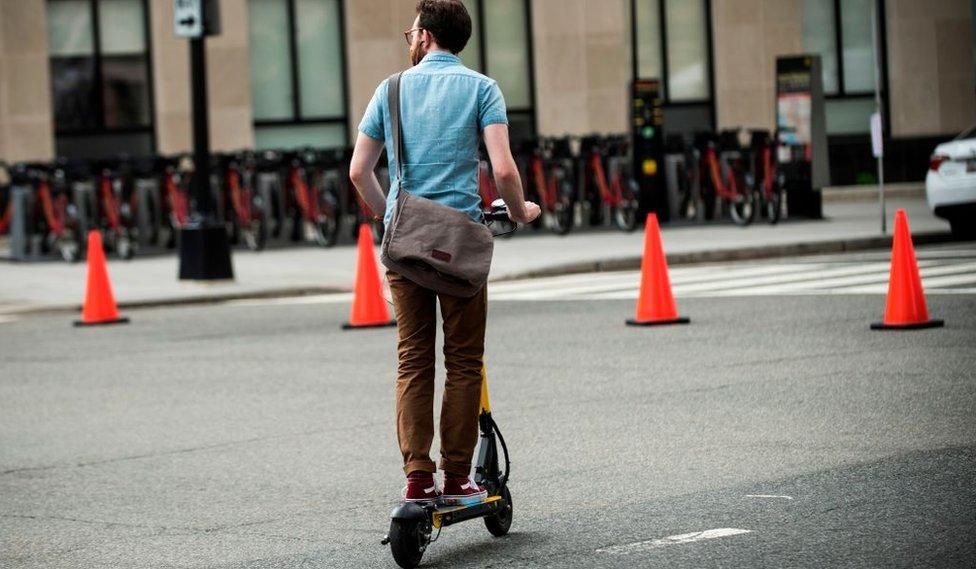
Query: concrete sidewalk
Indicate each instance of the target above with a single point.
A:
(51, 286)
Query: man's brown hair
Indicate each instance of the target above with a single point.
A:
(448, 21)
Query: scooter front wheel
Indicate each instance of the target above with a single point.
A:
(499, 523)
(408, 541)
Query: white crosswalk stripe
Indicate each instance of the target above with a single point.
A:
(944, 271)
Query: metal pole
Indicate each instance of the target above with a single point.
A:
(876, 37)
(204, 246)
(200, 182)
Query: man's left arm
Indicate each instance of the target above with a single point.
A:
(362, 173)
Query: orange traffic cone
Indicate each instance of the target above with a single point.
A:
(368, 305)
(655, 305)
(99, 307)
(906, 300)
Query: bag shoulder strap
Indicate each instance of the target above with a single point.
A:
(393, 96)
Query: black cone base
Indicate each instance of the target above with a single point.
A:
(678, 320)
(348, 326)
(79, 323)
(913, 326)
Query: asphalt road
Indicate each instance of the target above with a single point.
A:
(261, 435)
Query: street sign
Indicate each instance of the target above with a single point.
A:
(188, 18)
(877, 144)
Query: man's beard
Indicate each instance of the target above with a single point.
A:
(416, 53)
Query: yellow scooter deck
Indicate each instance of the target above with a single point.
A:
(447, 515)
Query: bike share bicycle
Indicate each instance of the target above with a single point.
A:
(54, 216)
(768, 178)
(114, 211)
(607, 187)
(314, 207)
(247, 220)
(724, 177)
(412, 524)
(549, 182)
(6, 199)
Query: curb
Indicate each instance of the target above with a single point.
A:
(726, 255)
(286, 292)
(869, 193)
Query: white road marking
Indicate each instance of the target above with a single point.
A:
(939, 276)
(679, 539)
(771, 496)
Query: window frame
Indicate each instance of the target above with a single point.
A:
(842, 94)
(98, 84)
(295, 69)
(708, 101)
(529, 111)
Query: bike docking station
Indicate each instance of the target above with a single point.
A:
(204, 245)
(412, 523)
(647, 136)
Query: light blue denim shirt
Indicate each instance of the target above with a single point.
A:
(444, 106)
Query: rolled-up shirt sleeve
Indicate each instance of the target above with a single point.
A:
(373, 121)
(491, 106)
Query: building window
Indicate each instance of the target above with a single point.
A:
(298, 73)
(100, 86)
(672, 43)
(501, 47)
(840, 31)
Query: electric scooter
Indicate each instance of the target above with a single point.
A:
(412, 524)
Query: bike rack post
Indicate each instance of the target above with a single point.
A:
(84, 196)
(147, 190)
(673, 163)
(265, 184)
(19, 238)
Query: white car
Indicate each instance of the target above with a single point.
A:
(950, 184)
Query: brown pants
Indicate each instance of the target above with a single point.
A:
(464, 343)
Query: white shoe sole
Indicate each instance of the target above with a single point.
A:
(465, 500)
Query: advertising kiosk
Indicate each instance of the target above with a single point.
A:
(802, 133)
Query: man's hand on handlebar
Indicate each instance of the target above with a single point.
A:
(527, 215)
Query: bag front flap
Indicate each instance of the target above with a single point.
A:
(445, 238)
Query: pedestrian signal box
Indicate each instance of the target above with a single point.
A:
(646, 122)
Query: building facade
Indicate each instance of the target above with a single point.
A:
(91, 78)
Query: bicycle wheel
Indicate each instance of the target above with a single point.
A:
(743, 209)
(774, 207)
(625, 214)
(327, 226)
(124, 246)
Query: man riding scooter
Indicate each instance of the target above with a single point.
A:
(445, 108)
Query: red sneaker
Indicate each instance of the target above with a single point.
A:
(421, 489)
(461, 491)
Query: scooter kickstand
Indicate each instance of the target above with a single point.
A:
(385, 540)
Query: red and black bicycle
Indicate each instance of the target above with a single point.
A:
(769, 179)
(54, 215)
(244, 207)
(607, 185)
(723, 177)
(549, 182)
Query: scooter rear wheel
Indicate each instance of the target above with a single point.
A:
(499, 523)
(407, 542)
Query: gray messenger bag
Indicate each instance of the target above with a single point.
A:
(433, 245)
